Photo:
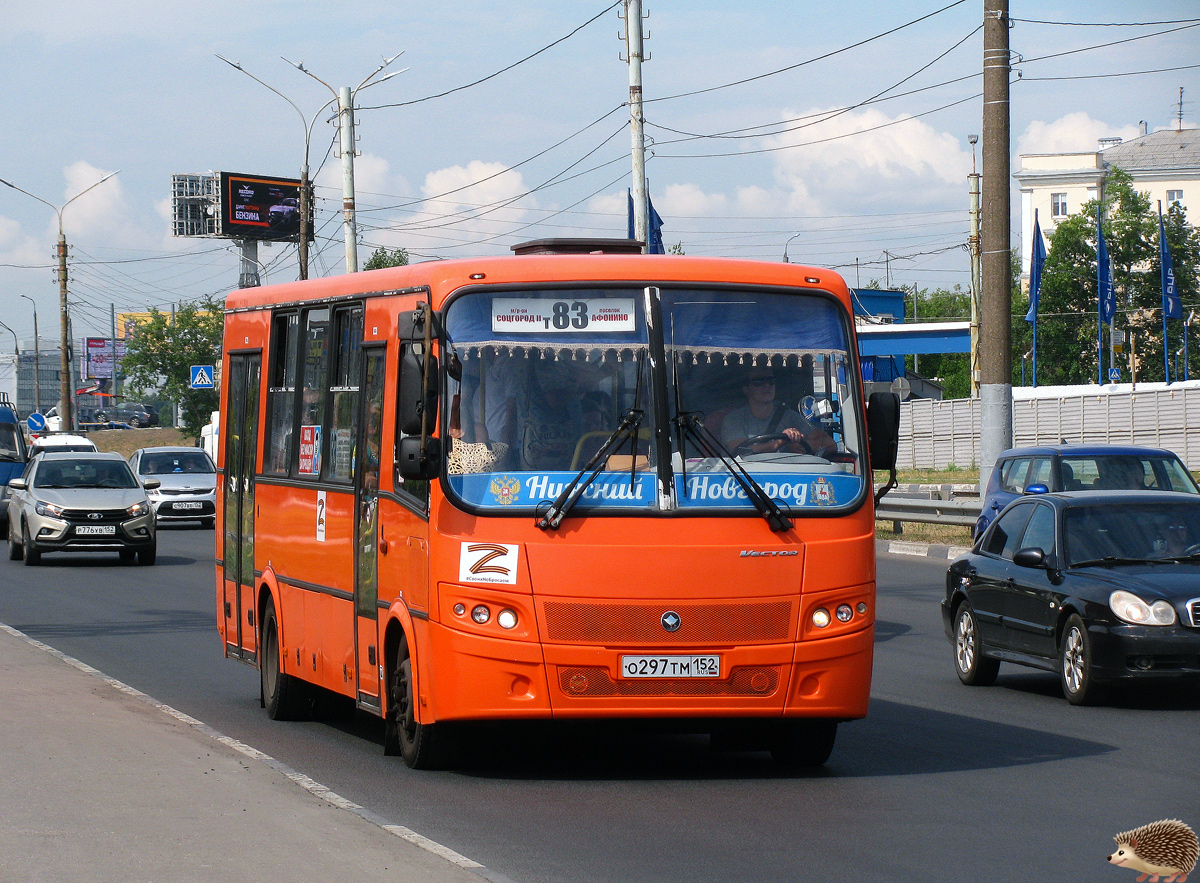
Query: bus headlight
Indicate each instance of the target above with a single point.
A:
(481, 614)
(507, 619)
(820, 617)
(844, 613)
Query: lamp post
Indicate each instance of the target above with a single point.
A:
(345, 101)
(786, 244)
(16, 344)
(37, 360)
(67, 407)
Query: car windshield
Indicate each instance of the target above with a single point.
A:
(172, 462)
(1131, 531)
(81, 473)
(1126, 472)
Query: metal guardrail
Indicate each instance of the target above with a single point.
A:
(959, 512)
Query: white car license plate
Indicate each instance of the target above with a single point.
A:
(188, 505)
(706, 666)
(88, 530)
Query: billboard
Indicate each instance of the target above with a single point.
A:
(260, 207)
(96, 362)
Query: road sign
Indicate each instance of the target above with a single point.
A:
(1114, 375)
(36, 422)
(202, 377)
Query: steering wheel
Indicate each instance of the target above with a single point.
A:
(747, 447)
(1192, 549)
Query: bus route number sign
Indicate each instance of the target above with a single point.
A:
(541, 316)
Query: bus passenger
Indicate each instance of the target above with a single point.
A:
(762, 415)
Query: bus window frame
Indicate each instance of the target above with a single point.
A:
(418, 504)
(289, 360)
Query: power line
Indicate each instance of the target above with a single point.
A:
(502, 70)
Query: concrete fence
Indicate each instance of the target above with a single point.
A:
(937, 434)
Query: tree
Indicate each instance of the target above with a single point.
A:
(160, 354)
(381, 257)
(1067, 313)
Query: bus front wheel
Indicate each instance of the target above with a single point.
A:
(404, 735)
(283, 695)
(802, 742)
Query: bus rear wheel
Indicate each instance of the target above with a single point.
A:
(415, 742)
(803, 742)
(283, 695)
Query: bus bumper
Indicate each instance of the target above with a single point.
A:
(484, 678)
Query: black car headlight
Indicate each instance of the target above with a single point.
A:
(138, 509)
(1131, 609)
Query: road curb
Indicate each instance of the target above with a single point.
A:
(920, 550)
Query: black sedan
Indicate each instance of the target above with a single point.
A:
(1098, 586)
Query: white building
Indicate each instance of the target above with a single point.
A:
(1166, 164)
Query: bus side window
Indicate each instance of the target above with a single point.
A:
(418, 489)
(281, 394)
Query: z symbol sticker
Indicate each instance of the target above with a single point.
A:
(488, 563)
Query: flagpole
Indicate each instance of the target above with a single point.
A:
(1099, 301)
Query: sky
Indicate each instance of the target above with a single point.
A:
(834, 132)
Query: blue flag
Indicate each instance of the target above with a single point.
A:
(1172, 307)
(1104, 284)
(654, 244)
(1035, 270)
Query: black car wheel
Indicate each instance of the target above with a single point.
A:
(1075, 663)
(32, 555)
(14, 548)
(974, 669)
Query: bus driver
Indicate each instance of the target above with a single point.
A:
(763, 416)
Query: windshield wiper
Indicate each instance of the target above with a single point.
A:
(690, 426)
(1111, 560)
(553, 516)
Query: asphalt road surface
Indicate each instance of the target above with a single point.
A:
(940, 783)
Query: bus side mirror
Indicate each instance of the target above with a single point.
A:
(418, 394)
(883, 429)
(421, 463)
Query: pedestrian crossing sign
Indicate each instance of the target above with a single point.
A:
(202, 377)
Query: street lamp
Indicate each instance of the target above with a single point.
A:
(67, 407)
(16, 345)
(345, 100)
(37, 360)
(785, 245)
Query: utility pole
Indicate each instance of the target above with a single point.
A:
(66, 407)
(346, 130)
(995, 347)
(973, 244)
(633, 51)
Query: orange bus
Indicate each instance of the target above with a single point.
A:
(554, 486)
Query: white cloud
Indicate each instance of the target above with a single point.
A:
(1074, 133)
(866, 158)
(475, 184)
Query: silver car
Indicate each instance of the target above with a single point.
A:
(188, 483)
(80, 502)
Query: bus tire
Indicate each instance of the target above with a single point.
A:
(804, 742)
(283, 695)
(404, 735)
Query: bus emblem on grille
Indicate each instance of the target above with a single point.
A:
(671, 621)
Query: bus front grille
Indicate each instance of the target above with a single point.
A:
(587, 681)
(714, 623)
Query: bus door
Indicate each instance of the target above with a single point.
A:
(366, 528)
(241, 462)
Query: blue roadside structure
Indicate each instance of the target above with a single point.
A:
(13, 452)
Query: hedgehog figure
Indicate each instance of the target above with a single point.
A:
(1168, 848)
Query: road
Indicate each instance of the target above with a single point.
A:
(940, 782)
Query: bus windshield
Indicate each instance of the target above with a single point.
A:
(713, 387)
